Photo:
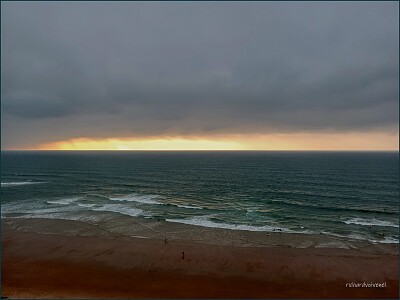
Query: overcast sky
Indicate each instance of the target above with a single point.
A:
(129, 69)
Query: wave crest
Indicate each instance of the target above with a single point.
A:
(144, 199)
(7, 184)
(64, 201)
(123, 210)
(204, 221)
(370, 222)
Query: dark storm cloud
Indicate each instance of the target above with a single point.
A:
(134, 69)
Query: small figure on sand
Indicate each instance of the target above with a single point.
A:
(165, 241)
(183, 254)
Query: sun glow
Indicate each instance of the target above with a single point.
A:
(289, 141)
(151, 144)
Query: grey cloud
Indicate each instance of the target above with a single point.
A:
(133, 69)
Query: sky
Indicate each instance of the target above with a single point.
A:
(200, 75)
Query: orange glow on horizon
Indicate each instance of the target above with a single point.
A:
(146, 144)
(292, 141)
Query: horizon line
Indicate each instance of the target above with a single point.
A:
(200, 150)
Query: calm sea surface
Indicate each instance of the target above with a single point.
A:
(348, 194)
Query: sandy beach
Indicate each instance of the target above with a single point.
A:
(37, 265)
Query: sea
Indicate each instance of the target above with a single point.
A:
(352, 195)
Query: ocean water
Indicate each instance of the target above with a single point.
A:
(353, 195)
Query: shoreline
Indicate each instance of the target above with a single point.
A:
(136, 227)
(38, 265)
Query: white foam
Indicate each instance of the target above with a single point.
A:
(349, 236)
(64, 201)
(145, 199)
(205, 222)
(55, 216)
(386, 240)
(7, 184)
(85, 205)
(116, 208)
(29, 211)
(139, 237)
(370, 222)
(187, 206)
(31, 208)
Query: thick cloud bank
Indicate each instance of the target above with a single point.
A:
(131, 69)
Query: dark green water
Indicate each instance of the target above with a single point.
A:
(349, 194)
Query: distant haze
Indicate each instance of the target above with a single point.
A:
(200, 75)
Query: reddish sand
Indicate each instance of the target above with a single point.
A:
(54, 266)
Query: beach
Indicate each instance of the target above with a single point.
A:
(199, 225)
(56, 265)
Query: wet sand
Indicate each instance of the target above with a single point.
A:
(37, 265)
